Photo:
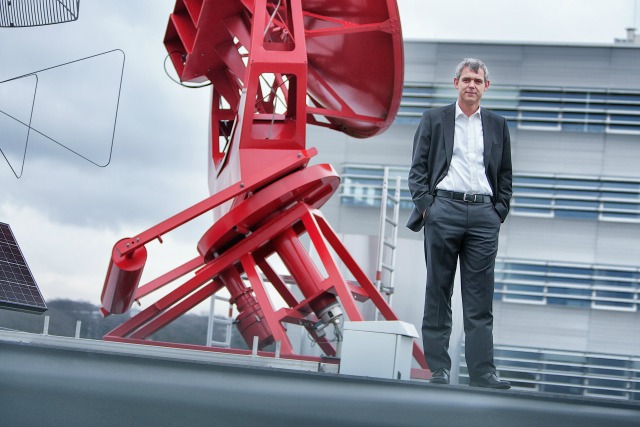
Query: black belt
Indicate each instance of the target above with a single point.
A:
(465, 197)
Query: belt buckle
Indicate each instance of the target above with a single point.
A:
(472, 198)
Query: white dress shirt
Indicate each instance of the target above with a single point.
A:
(466, 173)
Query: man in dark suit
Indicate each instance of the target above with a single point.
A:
(460, 182)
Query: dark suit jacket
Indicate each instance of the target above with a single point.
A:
(432, 151)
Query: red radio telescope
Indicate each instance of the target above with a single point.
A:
(274, 65)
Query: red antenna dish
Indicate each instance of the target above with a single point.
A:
(353, 49)
(275, 65)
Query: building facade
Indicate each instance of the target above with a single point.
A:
(567, 300)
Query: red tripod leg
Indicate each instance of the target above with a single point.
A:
(277, 329)
(363, 280)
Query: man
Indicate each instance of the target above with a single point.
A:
(460, 182)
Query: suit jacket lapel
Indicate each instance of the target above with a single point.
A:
(449, 125)
(487, 135)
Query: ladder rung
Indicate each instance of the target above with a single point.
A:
(388, 267)
(387, 289)
(392, 222)
(389, 244)
(220, 343)
(394, 199)
(223, 320)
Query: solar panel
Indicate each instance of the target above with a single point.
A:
(18, 288)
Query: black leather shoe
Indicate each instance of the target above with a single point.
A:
(440, 376)
(489, 380)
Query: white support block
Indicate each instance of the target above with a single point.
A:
(378, 349)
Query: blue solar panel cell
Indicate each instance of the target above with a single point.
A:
(18, 288)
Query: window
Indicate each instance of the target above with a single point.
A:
(604, 199)
(362, 185)
(587, 198)
(550, 109)
(582, 374)
(571, 285)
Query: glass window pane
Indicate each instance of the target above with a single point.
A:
(532, 201)
(629, 207)
(575, 214)
(519, 297)
(613, 304)
(569, 302)
(420, 90)
(625, 128)
(625, 118)
(569, 291)
(540, 94)
(532, 211)
(525, 267)
(575, 95)
(623, 97)
(570, 270)
(577, 204)
(632, 186)
(540, 114)
(617, 295)
(617, 273)
(576, 127)
(611, 195)
(587, 183)
(542, 192)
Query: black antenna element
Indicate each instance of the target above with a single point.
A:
(30, 129)
(33, 13)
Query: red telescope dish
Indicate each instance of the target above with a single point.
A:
(354, 55)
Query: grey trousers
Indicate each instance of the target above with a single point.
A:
(468, 231)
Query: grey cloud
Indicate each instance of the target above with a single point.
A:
(158, 164)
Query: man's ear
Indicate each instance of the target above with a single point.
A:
(486, 84)
(455, 83)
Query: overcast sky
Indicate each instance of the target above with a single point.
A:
(67, 213)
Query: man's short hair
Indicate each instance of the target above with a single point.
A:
(474, 64)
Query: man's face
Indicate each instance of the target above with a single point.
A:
(471, 86)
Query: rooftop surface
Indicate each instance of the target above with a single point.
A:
(54, 381)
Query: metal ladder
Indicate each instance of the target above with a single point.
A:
(213, 319)
(386, 257)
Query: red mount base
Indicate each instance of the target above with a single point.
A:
(274, 67)
(239, 244)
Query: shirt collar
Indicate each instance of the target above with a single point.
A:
(459, 111)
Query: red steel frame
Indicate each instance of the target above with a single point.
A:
(267, 59)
